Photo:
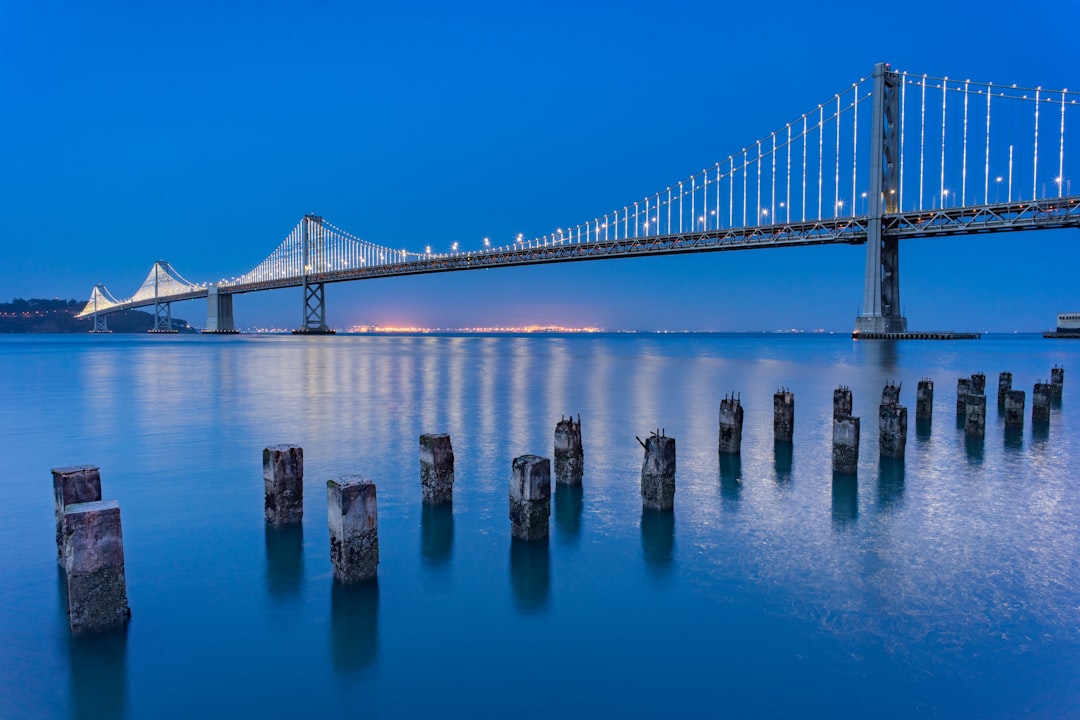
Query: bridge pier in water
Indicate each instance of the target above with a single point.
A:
(881, 296)
(219, 312)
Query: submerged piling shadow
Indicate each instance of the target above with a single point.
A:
(658, 538)
(783, 454)
(530, 574)
(568, 509)
(98, 663)
(730, 480)
(284, 560)
(436, 534)
(845, 499)
(890, 482)
(354, 625)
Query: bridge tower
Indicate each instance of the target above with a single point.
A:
(162, 308)
(881, 296)
(312, 246)
(101, 322)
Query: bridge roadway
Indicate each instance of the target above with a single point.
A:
(1047, 213)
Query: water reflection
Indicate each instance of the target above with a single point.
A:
(98, 675)
(1040, 433)
(890, 482)
(436, 533)
(354, 625)
(845, 499)
(284, 560)
(783, 453)
(974, 446)
(1014, 439)
(730, 480)
(568, 509)
(658, 537)
(881, 353)
(530, 574)
(923, 428)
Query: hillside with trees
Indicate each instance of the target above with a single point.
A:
(58, 316)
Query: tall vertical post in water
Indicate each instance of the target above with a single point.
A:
(892, 423)
(1004, 386)
(1057, 381)
(924, 400)
(283, 484)
(783, 415)
(1040, 403)
(353, 517)
(76, 484)
(569, 455)
(436, 468)
(94, 566)
(881, 295)
(530, 497)
(658, 472)
(731, 422)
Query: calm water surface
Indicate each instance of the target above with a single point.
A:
(944, 586)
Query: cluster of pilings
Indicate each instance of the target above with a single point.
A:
(90, 549)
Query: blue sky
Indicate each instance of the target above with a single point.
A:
(201, 132)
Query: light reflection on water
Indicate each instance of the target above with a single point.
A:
(959, 563)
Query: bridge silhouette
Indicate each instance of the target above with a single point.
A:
(932, 157)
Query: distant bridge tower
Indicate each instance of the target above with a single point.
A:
(881, 297)
(312, 245)
(101, 322)
(162, 308)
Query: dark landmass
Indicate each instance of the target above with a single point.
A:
(58, 316)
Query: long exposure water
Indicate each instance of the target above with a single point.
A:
(944, 586)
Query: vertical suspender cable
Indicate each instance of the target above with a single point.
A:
(1061, 150)
(922, 143)
(941, 188)
(854, 150)
(836, 179)
(1035, 165)
(963, 154)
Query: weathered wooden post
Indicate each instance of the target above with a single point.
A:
(975, 424)
(1004, 386)
(963, 390)
(75, 484)
(845, 444)
(436, 468)
(1040, 403)
(353, 519)
(1014, 409)
(978, 383)
(841, 401)
(1057, 381)
(892, 423)
(924, 400)
(283, 480)
(658, 472)
(569, 456)
(530, 497)
(94, 566)
(731, 420)
(783, 415)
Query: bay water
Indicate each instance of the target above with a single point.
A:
(947, 585)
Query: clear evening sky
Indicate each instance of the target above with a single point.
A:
(200, 133)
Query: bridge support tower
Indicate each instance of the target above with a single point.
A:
(314, 318)
(162, 308)
(219, 312)
(881, 297)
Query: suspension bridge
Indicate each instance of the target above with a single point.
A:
(892, 156)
